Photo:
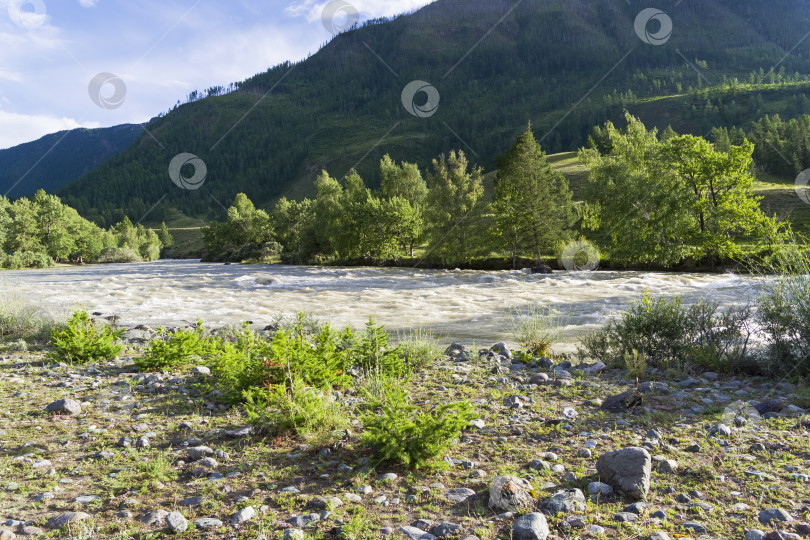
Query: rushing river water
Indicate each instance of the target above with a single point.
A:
(457, 305)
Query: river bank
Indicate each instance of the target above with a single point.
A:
(136, 454)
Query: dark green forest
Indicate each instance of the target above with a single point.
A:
(564, 66)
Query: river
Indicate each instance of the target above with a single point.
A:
(470, 306)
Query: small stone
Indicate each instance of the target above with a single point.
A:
(754, 534)
(445, 528)
(207, 523)
(63, 519)
(192, 501)
(668, 466)
(198, 452)
(240, 433)
(201, 370)
(600, 488)
(294, 534)
(416, 534)
(721, 430)
(695, 527)
(69, 407)
(387, 477)
(774, 514)
(176, 522)
(7, 535)
(627, 469)
(511, 494)
(565, 501)
(154, 517)
(658, 535)
(460, 495)
(243, 515)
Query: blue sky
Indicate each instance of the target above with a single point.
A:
(50, 51)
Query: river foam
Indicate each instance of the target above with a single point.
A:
(457, 305)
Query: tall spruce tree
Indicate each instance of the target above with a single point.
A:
(532, 209)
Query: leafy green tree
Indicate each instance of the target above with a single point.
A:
(453, 208)
(22, 232)
(294, 222)
(634, 200)
(330, 215)
(532, 209)
(5, 219)
(720, 193)
(403, 180)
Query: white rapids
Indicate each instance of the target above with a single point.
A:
(468, 306)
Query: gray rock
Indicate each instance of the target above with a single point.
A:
(63, 519)
(416, 534)
(294, 534)
(459, 495)
(510, 494)
(774, 514)
(198, 452)
(754, 534)
(154, 517)
(445, 528)
(68, 406)
(243, 515)
(530, 527)
(304, 520)
(540, 378)
(668, 466)
(627, 470)
(600, 488)
(772, 406)
(625, 517)
(658, 535)
(322, 503)
(650, 387)
(207, 523)
(176, 522)
(566, 501)
(623, 402)
(502, 349)
(201, 370)
(240, 433)
(192, 501)
(695, 526)
(721, 430)
(7, 535)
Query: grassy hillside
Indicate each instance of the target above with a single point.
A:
(342, 107)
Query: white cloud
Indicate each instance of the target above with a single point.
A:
(368, 9)
(20, 128)
(88, 3)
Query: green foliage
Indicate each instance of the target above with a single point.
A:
(537, 330)
(657, 203)
(294, 407)
(670, 335)
(453, 209)
(399, 432)
(176, 348)
(371, 353)
(20, 320)
(784, 311)
(419, 348)
(635, 363)
(532, 210)
(84, 340)
(25, 259)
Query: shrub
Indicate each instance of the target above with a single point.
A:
(84, 340)
(371, 353)
(399, 432)
(294, 407)
(176, 348)
(419, 349)
(119, 255)
(20, 320)
(255, 252)
(635, 363)
(784, 311)
(537, 330)
(672, 336)
(26, 259)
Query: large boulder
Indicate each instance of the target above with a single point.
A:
(627, 470)
(530, 527)
(511, 494)
(623, 402)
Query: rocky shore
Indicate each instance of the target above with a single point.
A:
(558, 451)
